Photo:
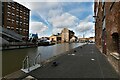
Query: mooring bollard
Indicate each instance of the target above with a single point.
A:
(75, 51)
(55, 63)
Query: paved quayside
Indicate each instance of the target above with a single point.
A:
(85, 62)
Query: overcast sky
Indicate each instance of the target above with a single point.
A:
(47, 18)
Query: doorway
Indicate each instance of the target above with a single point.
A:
(115, 39)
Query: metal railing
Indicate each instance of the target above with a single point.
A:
(26, 62)
(36, 58)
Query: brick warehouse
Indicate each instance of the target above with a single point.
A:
(107, 30)
(15, 17)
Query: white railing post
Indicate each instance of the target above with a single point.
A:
(35, 61)
(28, 63)
(26, 67)
(23, 65)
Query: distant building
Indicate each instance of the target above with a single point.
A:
(107, 30)
(55, 38)
(15, 20)
(91, 39)
(33, 37)
(73, 39)
(66, 35)
(83, 39)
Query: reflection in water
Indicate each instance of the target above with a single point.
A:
(12, 59)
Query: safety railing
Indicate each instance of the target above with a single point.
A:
(36, 58)
(27, 66)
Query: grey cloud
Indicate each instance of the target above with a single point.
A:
(38, 27)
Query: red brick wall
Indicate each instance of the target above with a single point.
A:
(98, 27)
(12, 24)
(112, 24)
(119, 26)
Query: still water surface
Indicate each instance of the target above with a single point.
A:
(12, 59)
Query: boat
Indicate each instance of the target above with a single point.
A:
(45, 43)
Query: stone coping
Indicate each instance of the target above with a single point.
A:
(115, 55)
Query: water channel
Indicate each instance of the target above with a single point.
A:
(12, 59)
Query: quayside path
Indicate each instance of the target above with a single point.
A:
(82, 62)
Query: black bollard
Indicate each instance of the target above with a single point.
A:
(55, 63)
(75, 51)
